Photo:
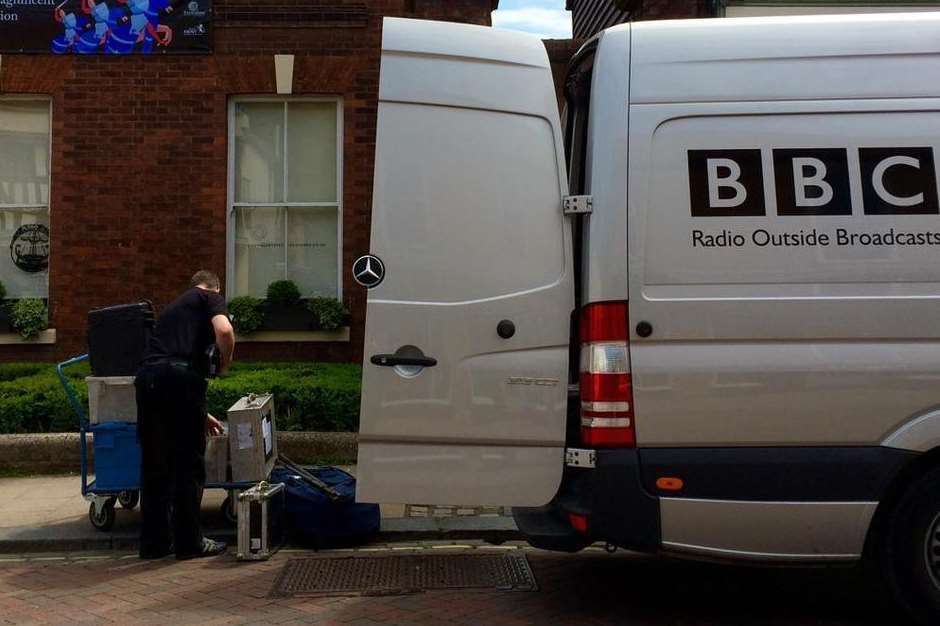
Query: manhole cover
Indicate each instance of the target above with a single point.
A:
(400, 574)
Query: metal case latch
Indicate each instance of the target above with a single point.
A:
(578, 205)
(576, 457)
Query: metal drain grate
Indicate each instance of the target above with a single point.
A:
(400, 574)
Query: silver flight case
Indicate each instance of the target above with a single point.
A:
(260, 531)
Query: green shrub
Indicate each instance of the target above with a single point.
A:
(284, 292)
(247, 314)
(308, 396)
(32, 399)
(30, 317)
(330, 312)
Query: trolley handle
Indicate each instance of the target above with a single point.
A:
(77, 406)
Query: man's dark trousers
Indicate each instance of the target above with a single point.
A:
(171, 416)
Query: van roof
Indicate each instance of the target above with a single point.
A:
(886, 55)
(447, 39)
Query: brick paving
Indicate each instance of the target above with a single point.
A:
(587, 588)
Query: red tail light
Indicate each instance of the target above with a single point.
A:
(606, 389)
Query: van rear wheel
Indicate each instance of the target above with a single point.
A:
(910, 550)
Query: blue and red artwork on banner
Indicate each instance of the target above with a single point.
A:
(105, 26)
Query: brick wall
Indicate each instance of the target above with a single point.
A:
(673, 9)
(560, 52)
(592, 16)
(139, 154)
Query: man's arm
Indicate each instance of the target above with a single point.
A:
(224, 339)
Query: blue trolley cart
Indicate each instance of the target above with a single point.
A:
(117, 463)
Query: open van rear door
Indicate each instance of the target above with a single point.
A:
(465, 370)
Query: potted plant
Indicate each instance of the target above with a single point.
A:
(330, 313)
(284, 309)
(247, 314)
(30, 316)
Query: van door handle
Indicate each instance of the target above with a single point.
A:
(391, 360)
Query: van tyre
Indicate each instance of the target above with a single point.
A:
(910, 550)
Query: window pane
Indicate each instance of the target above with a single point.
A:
(259, 152)
(311, 251)
(311, 148)
(24, 153)
(259, 249)
(31, 250)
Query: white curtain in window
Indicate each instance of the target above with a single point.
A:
(259, 249)
(311, 173)
(259, 152)
(286, 201)
(312, 254)
(24, 196)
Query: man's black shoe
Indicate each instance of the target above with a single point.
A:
(209, 548)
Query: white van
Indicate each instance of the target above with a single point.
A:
(700, 317)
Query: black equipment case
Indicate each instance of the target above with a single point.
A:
(118, 337)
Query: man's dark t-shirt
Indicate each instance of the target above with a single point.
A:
(184, 329)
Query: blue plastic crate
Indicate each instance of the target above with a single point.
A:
(117, 456)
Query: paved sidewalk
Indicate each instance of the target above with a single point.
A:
(48, 513)
(586, 589)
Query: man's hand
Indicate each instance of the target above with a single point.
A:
(213, 426)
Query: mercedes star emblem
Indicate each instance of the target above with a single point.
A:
(369, 271)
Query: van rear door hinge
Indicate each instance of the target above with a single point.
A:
(578, 205)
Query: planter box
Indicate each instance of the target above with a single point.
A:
(46, 337)
(293, 317)
(341, 335)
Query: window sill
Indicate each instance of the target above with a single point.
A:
(46, 337)
(293, 336)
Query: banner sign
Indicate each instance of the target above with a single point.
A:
(105, 26)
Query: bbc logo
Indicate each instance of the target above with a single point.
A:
(813, 181)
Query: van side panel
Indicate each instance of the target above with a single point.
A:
(761, 531)
(775, 328)
(784, 245)
(836, 57)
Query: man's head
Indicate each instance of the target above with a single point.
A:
(204, 279)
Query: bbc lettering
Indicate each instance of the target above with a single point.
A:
(813, 181)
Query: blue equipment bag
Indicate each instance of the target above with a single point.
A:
(311, 518)
(117, 456)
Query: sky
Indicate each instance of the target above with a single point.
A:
(545, 18)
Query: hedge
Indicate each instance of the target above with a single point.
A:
(308, 396)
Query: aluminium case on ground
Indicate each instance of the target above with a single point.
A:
(252, 438)
(260, 529)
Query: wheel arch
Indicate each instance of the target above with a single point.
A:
(907, 476)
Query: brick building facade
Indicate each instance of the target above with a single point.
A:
(589, 17)
(138, 192)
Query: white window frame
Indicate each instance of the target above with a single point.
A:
(232, 205)
(37, 208)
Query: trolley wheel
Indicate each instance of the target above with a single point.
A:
(229, 512)
(104, 520)
(128, 499)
